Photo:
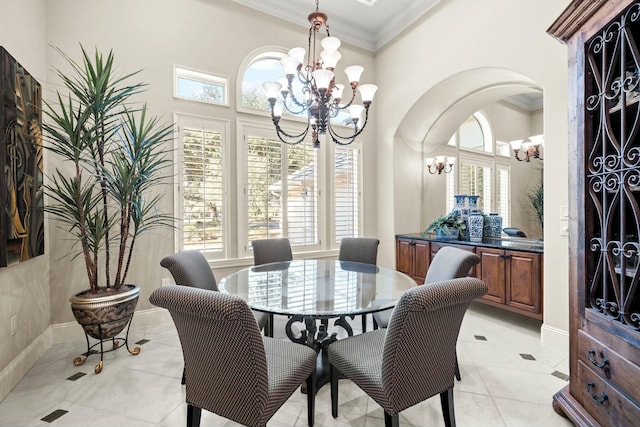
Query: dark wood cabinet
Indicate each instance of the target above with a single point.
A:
(604, 244)
(514, 280)
(514, 277)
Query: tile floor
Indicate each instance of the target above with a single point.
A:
(508, 379)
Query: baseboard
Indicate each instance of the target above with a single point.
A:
(71, 331)
(19, 366)
(554, 337)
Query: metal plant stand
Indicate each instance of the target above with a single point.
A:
(115, 345)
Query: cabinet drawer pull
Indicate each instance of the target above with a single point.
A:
(604, 365)
(599, 400)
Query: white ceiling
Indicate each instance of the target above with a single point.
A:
(369, 24)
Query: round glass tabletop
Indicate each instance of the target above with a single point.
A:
(319, 288)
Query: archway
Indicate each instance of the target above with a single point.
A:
(432, 120)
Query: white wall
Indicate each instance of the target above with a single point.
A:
(479, 45)
(24, 287)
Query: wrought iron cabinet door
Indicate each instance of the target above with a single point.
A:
(604, 75)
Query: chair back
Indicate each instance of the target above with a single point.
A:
(223, 351)
(190, 268)
(450, 263)
(266, 251)
(359, 249)
(419, 354)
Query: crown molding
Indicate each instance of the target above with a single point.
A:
(345, 29)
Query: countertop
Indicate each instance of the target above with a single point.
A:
(512, 243)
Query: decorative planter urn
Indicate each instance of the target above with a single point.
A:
(104, 316)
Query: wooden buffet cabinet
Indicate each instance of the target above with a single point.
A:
(513, 272)
(604, 244)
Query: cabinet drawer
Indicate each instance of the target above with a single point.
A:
(609, 365)
(605, 403)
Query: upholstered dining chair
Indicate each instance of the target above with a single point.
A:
(448, 263)
(266, 251)
(191, 268)
(271, 250)
(359, 249)
(412, 359)
(232, 370)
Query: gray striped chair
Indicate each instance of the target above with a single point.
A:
(266, 251)
(359, 249)
(448, 263)
(414, 358)
(232, 370)
(191, 268)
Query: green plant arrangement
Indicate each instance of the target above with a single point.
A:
(117, 155)
(447, 225)
(536, 200)
(114, 157)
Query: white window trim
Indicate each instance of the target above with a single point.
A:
(202, 76)
(178, 193)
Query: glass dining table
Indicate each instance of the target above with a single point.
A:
(313, 292)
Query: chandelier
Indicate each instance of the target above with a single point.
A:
(530, 149)
(309, 88)
(440, 164)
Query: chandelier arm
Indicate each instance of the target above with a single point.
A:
(293, 139)
(346, 140)
(295, 113)
(303, 104)
(341, 107)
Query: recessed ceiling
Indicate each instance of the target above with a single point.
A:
(369, 24)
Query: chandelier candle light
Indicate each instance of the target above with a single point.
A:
(321, 96)
(531, 148)
(439, 164)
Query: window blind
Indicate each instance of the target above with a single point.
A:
(346, 193)
(203, 193)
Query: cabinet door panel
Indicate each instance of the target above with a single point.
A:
(523, 281)
(421, 260)
(404, 256)
(492, 273)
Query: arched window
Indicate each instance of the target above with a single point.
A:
(262, 67)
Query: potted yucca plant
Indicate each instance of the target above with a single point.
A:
(117, 155)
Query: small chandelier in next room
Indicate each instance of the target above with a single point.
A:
(309, 88)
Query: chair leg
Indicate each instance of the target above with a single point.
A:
(268, 329)
(311, 398)
(375, 324)
(457, 372)
(391, 420)
(333, 377)
(193, 416)
(364, 323)
(184, 376)
(446, 399)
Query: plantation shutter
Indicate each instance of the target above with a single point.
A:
(282, 190)
(302, 194)
(264, 188)
(503, 194)
(346, 193)
(202, 177)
